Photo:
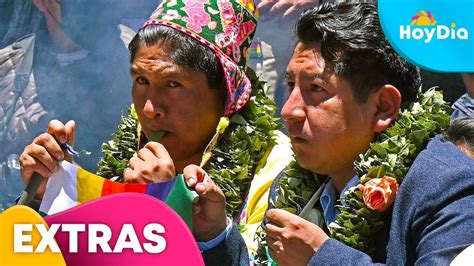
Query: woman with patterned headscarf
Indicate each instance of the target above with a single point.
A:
(195, 102)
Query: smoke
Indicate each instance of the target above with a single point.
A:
(81, 74)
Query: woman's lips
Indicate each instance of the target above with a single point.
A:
(153, 134)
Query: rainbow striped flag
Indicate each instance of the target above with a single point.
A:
(72, 185)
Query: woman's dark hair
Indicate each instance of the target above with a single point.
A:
(184, 51)
(352, 39)
(461, 132)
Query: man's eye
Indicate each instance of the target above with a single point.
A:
(174, 84)
(141, 80)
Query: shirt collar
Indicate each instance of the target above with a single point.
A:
(329, 197)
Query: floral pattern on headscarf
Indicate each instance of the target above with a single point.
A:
(224, 26)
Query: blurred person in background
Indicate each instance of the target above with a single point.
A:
(464, 106)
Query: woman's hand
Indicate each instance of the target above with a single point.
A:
(44, 153)
(151, 164)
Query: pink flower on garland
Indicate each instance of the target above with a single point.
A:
(379, 193)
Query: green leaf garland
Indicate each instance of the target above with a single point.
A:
(117, 152)
(294, 190)
(392, 154)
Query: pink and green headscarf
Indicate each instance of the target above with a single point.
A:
(224, 26)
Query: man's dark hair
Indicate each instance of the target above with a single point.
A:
(461, 132)
(352, 39)
(184, 51)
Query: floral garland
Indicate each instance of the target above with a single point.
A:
(382, 166)
(239, 150)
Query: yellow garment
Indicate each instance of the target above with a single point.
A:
(257, 201)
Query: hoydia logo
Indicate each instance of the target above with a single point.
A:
(423, 26)
(433, 34)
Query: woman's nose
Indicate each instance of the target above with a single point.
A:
(151, 110)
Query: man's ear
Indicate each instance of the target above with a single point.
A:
(388, 100)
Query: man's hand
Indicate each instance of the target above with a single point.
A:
(152, 164)
(44, 153)
(291, 239)
(270, 8)
(209, 217)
